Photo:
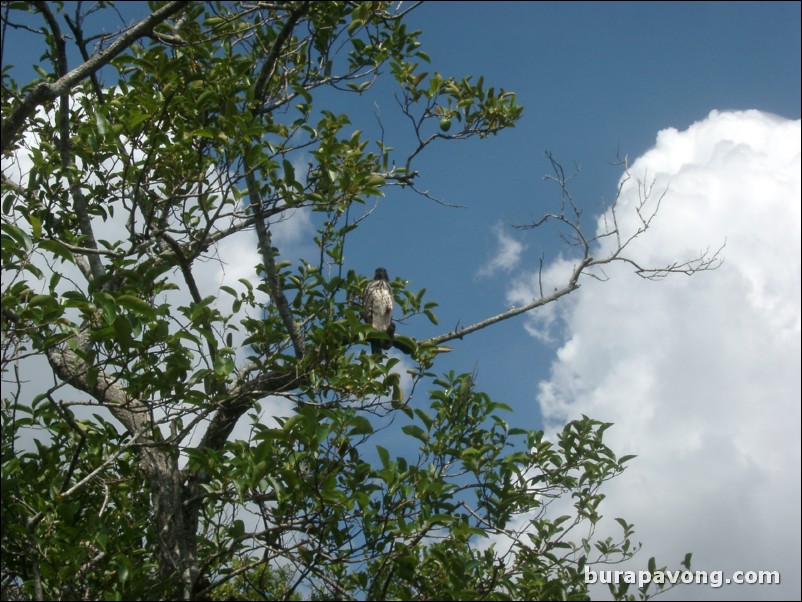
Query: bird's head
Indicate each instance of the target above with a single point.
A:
(381, 274)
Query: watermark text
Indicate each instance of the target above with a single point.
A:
(714, 579)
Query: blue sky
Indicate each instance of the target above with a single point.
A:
(595, 79)
(700, 376)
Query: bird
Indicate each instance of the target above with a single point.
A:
(377, 308)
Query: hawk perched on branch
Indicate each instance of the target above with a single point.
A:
(377, 308)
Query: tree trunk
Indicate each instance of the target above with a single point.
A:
(175, 523)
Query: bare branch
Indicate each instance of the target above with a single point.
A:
(569, 218)
(515, 311)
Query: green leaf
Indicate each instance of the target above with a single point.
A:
(223, 365)
(237, 529)
(122, 332)
(362, 426)
(123, 570)
(384, 456)
(36, 225)
(289, 172)
(41, 300)
(375, 180)
(425, 418)
(20, 237)
(432, 317)
(58, 249)
(414, 430)
(102, 123)
(136, 305)
(354, 25)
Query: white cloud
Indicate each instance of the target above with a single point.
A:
(701, 375)
(528, 286)
(293, 226)
(507, 256)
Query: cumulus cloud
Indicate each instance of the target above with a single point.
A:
(294, 226)
(701, 375)
(528, 286)
(507, 256)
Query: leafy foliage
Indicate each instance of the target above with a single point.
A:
(205, 125)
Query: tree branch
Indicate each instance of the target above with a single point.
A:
(273, 277)
(46, 92)
(272, 58)
(240, 400)
(76, 28)
(570, 217)
(64, 144)
(515, 311)
(72, 369)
